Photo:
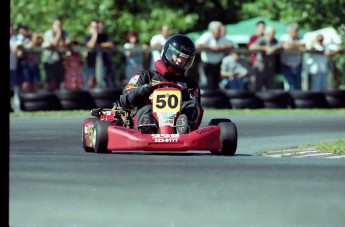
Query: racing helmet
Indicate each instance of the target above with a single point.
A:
(178, 54)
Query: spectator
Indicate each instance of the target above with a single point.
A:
(234, 72)
(319, 63)
(101, 68)
(53, 58)
(157, 42)
(265, 63)
(29, 60)
(292, 56)
(14, 84)
(73, 67)
(134, 56)
(260, 28)
(213, 46)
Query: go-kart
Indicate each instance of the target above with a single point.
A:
(117, 129)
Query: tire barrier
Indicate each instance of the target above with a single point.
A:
(75, 100)
(214, 99)
(335, 98)
(105, 97)
(308, 99)
(243, 99)
(217, 99)
(275, 99)
(39, 101)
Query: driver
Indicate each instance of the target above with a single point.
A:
(177, 56)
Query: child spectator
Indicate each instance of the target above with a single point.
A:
(234, 72)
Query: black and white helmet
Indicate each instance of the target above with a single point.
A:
(178, 54)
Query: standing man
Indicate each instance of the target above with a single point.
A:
(53, 59)
(99, 61)
(157, 42)
(259, 32)
(265, 63)
(292, 56)
(213, 46)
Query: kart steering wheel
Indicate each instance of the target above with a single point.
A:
(166, 83)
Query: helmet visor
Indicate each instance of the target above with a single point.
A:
(178, 59)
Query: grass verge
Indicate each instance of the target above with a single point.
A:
(335, 147)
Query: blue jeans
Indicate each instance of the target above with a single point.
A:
(293, 75)
(318, 81)
(236, 84)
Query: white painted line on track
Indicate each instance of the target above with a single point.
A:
(303, 154)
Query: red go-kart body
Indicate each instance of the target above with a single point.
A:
(115, 129)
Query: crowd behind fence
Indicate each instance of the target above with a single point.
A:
(119, 63)
(52, 62)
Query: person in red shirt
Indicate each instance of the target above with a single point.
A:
(260, 28)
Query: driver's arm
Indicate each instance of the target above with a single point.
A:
(192, 91)
(136, 92)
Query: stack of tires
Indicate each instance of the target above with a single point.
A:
(243, 99)
(104, 98)
(39, 101)
(335, 98)
(216, 99)
(308, 99)
(75, 100)
(275, 99)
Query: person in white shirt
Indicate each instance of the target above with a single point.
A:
(318, 63)
(157, 42)
(291, 59)
(213, 45)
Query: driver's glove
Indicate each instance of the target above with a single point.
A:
(186, 93)
(145, 90)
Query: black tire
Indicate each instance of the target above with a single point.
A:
(39, 101)
(227, 139)
(246, 103)
(217, 102)
(101, 136)
(75, 100)
(211, 93)
(87, 149)
(335, 98)
(275, 99)
(231, 93)
(216, 121)
(308, 99)
(104, 98)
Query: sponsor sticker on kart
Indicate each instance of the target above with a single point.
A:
(165, 138)
(134, 79)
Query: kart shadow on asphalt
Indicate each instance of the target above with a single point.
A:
(172, 153)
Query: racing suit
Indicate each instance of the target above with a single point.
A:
(134, 96)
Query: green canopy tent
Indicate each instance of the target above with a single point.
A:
(241, 31)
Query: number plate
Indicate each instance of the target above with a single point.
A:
(166, 101)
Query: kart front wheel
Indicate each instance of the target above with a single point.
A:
(100, 137)
(86, 148)
(227, 139)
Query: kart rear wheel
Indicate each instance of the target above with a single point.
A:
(216, 121)
(227, 139)
(87, 149)
(100, 137)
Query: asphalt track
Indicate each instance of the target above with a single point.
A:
(53, 182)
